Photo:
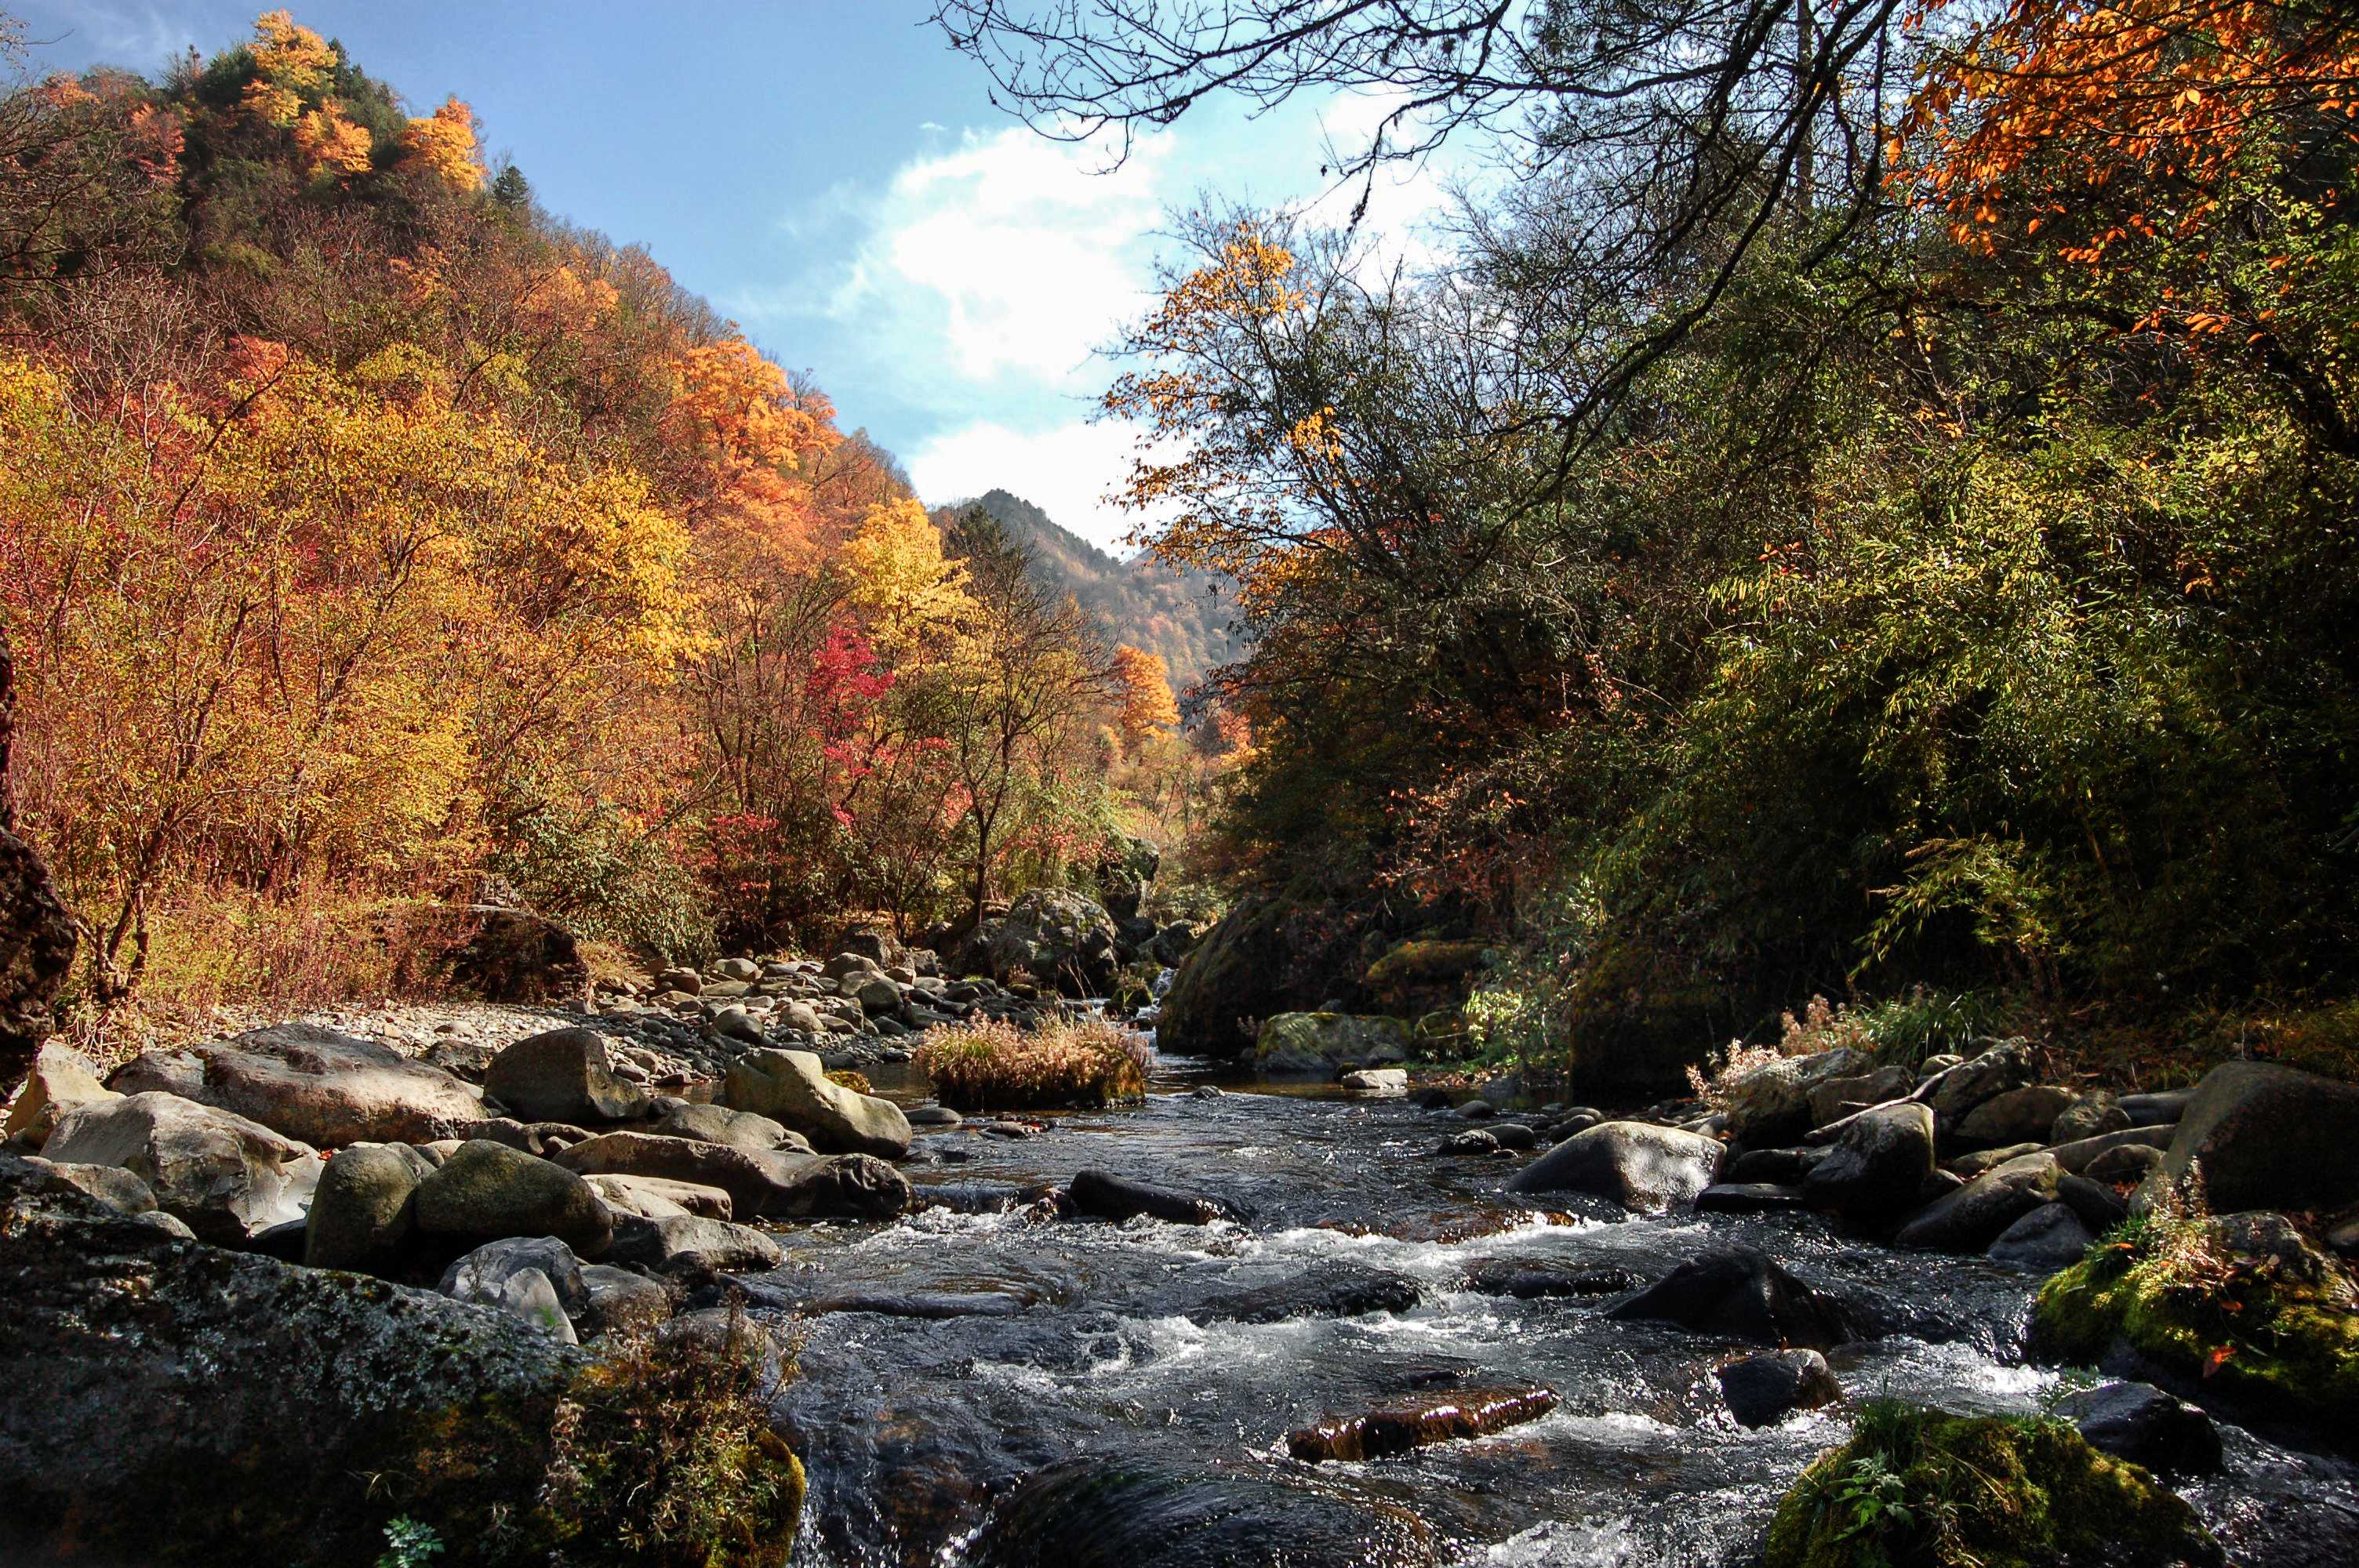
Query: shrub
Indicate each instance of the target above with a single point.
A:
(849, 1078)
(1087, 1063)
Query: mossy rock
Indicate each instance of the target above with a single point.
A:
(1424, 974)
(1923, 1489)
(2282, 1352)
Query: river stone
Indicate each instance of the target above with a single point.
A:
(113, 1185)
(792, 1088)
(2268, 1136)
(486, 1191)
(2139, 1422)
(1877, 1170)
(1377, 1080)
(2015, 1115)
(765, 1185)
(60, 1079)
(562, 1074)
(1966, 1167)
(541, 1138)
(1739, 1292)
(2091, 1116)
(1971, 1219)
(312, 1084)
(1104, 1512)
(1776, 1167)
(1748, 1197)
(1771, 1104)
(2162, 1108)
(691, 1245)
(618, 1301)
(2125, 1162)
(1104, 1196)
(2080, 1154)
(1642, 1167)
(364, 1210)
(1836, 1098)
(223, 1177)
(719, 1124)
(536, 1279)
(1762, 1388)
(2049, 1238)
(1327, 1289)
(1480, 1140)
(655, 1197)
(1956, 1093)
(2099, 1206)
(1453, 1417)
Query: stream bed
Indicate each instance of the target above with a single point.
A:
(1008, 1344)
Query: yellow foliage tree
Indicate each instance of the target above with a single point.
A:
(1143, 691)
(899, 580)
(444, 144)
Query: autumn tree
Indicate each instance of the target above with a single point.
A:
(1143, 691)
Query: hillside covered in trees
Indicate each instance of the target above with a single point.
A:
(371, 529)
(1184, 618)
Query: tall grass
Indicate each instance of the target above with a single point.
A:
(1087, 1063)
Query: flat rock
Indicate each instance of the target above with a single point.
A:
(1325, 1289)
(1101, 1194)
(1748, 1197)
(311, 1084)
(719, 1124)
(1398, 1429)
(686, 1244)
(2139, 1422)
(536, 1279)
(658, 1197)
(777, 1186)
(1971, 1219)
(223, 1177)
(1536, 1280)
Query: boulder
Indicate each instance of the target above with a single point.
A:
(1063, 940)
(2012, 1116)
(1377, 1080)
(2049, 1238)
(688, 1244)
(485, 1192)
(777, 1186)
(793, 1087)
(1642, 1167)
(494, 953)
(1425, 975)
(2163, 1108)
(2092, 1116)
(1330, 1289)
(1241, 969)
(365, 1211)
(654, 1197)
(1955, 1094)
(536, 1280)
(1836, 1098)
(113, 1185)
(2099, 1206)
(1534, 1280)
(562, 1074)
(737, 969)
(60, 1079)
(618, 1301)
(2139, 1422)
(719, 1124)
(1877, 1170)
(2078, 1154)
(1772, 1104)
(1763, 1388)
(2125, 1163)
(1126, 868)
(309, 1083)
(222, 1175)
(1740, 1293)
(1103, 1196)
(1326, 1043)
(2268, 1137)
(1971, 1219)
(541, 1138)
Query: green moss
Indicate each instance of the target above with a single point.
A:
(1405, 976)
(2288, 1354)
(1922, 1488)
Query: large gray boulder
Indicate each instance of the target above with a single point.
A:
(562, 1074)
(364, 1212)
(777, 1186)
(486, 1192)
(222, 1177)
(1644, 1168)
(60, 1079)
(792, 1088)
(2268, 1136)
(1877, 1170)
(534, 1279)
(1064, 939)
(719, 1124)
(314, 1083)
(1971, 1219)
(1326, 1044)
(2015, 1115)
(1771, 1105)
(1955, 1094)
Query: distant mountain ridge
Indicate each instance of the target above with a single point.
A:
(1182, 616)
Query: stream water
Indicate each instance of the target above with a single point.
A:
(1008, 1343)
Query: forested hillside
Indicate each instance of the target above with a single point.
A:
(1183, 617)
(370, 529)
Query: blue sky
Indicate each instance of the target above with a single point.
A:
(829, 174)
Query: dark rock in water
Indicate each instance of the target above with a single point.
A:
(1113, 1513)
(2099, 1206)
(1477, 1140)
(919, 1304)
(1746, 1197)
(2139, 1422)
(1761, 1389)
(1325, 1289)
(1971, 1219)
(1776, 1167)
(1533, 1280)
(1874, 1172)
(1398, 1429)
(1740, 1294)
(1101, 1195)
(1514, 1135)
(2049, 1238)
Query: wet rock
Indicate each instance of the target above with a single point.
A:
(536, 1280)
(1643, 1168)
(1476, 1141)
(931, 1305)
(311, 1084)
(364, 1212)
(2268, 1137)
(1098, 1512)
(1398, 1429)
(1477, 1109)
(776, 1185)
(1876, 1171)
(1956, 1093)
(2049, 1238)
(1377, 1080)
(1535, 1281)
(1514, 1135)
(1772, 1104)
(1748, 1197)
(658, 1197)
(941, 1116)
(719, 1124)
(1328, 1044)
(1761, 1389)
(2098, 1206)
(113, 1185)
(1971, 1219)
(1101, 1195)
(1325, 1289)
(2139, 1422)
(1740, 1293)
(1776, 1167)
(60, 1079)
(2013, 1115)
(792, 1088)
(688, 1244)
(2078, 1154)
(486, 1191)
(618, 1301)
(1966, 1167)
(223, 1177)
(563, 1075)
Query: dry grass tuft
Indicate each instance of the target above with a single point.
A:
(1089, 1064)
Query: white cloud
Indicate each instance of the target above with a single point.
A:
(1067, 470)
